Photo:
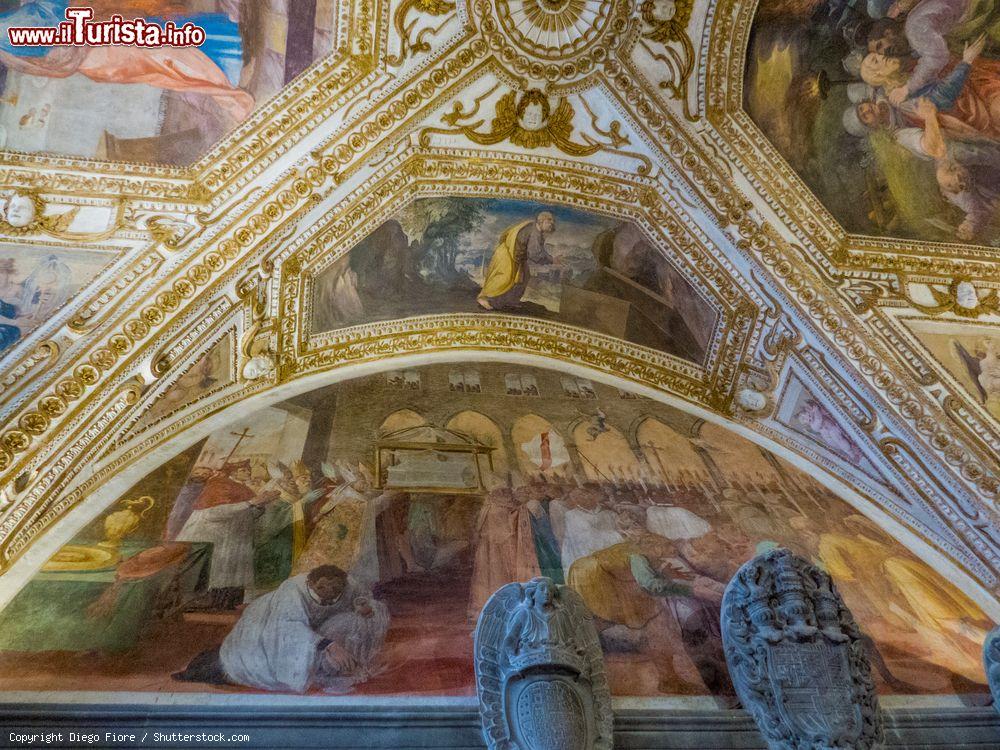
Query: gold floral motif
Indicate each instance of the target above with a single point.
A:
(668, 29)
(411, 44)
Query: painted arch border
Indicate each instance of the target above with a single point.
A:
(727, 34)
(107, 489)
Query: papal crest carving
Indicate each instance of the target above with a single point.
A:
(797, 658)
(540, 671)
(991, 660)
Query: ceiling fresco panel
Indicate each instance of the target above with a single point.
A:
(888, 111)
(164, 105)
(458, 255)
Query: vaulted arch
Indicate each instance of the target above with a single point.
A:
(708, 319)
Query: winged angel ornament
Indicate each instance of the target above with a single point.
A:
(540, 671)
(530, 121)
(962, 299)
(22, 212)
(797, 658)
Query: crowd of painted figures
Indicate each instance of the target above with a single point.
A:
(651, 560)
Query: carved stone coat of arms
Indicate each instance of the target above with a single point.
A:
(797, 657)
(991, 661)
(540, 671)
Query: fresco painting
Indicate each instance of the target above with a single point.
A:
(344, 541)
(971, 354)
(456, 255)
(164, 105)
(888, 110)
(35, 282)
(803, 413)
(212, 370)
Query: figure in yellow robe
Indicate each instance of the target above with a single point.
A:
(897, 587)
(508, 273)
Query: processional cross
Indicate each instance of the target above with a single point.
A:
(240, 437)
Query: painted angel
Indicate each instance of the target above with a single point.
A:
(983, 366)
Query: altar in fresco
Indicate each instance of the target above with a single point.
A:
(460, 255)
(889, 111)
(645, 511)
(165, 105)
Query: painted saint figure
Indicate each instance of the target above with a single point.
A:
(318, 630)
(224, 515)
(200, 70)
(281, 532)
(345, 527)
(983, 366)
(509, 270)
(35, 299)
(9, 333)
(505, 547)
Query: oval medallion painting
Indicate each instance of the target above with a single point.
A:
(888, 110)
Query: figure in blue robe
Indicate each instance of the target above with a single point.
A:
(9, 334)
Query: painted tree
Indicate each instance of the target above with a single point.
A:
(437, 227)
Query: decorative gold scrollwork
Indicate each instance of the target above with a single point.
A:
(530, 121)
(418, 44)
(666, 23)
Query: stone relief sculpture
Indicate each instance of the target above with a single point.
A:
(797, 658)
(991, 660)
(540, 671)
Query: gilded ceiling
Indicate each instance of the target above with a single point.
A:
(324, 202)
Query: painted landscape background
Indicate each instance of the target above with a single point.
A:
(591, 271)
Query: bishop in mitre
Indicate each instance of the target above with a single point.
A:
(345, 531)
(224, 515)
(509, 272)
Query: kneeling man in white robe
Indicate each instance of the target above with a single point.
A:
(316, 631)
